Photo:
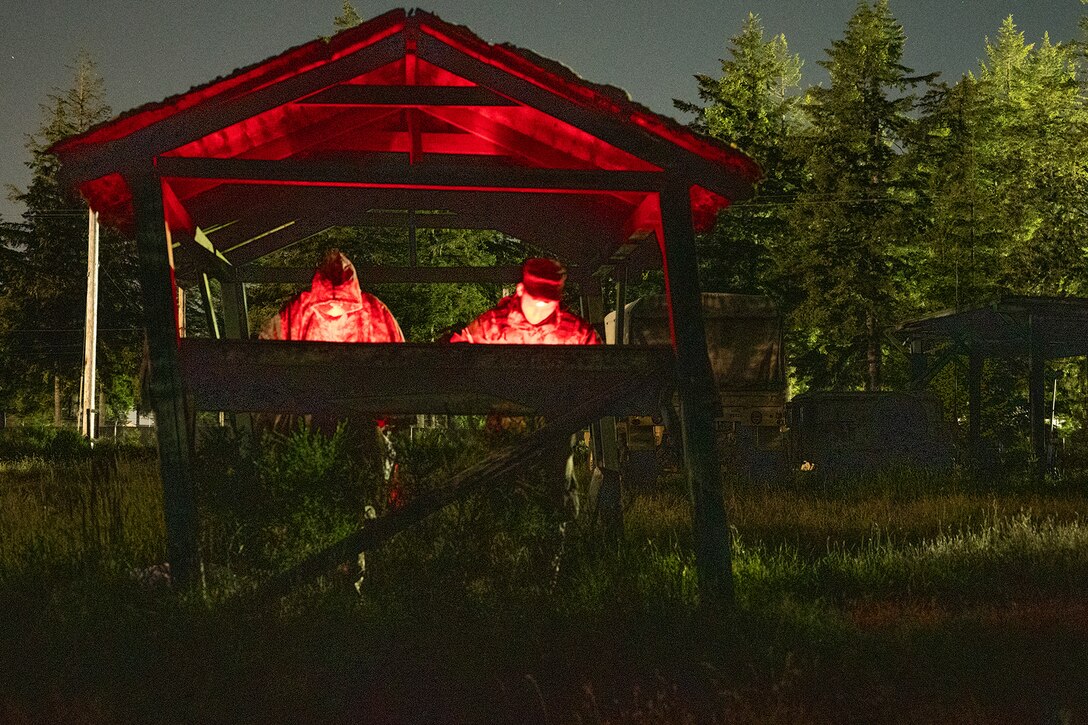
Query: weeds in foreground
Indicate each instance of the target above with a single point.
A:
(857, 605)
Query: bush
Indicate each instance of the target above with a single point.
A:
(268, 500)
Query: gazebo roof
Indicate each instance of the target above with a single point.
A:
(1056, 326)
(404, 113)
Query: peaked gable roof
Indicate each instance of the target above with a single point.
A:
(397, 89)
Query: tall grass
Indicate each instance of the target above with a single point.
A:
(892, 598)
(70, 518)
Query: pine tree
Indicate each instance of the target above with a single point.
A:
(959, 227)
(348, 18)
(851, 257)
(753, 105)
(1035, 121)
(45, 298)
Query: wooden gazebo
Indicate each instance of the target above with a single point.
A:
(409, 121)
(1030, 329)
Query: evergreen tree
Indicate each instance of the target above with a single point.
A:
(959, 226)
(1039, 126)
(348, 18)
(45, 298)
(851, 258)
(753, 105)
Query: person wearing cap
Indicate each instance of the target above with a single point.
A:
(533, 315)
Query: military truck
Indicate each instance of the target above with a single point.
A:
(843, 434)
(760, 436)
(744, 341)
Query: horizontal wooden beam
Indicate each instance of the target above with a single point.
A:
(202, 119)
(338, 378)
(440, 176)
(359, 95)
(368, 275)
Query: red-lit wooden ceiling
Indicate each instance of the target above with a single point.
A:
(404, 112)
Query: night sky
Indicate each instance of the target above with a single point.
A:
(147, 50)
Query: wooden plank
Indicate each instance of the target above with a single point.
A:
(192, 258)
(235, 311)
(368, 275)
(200, 120)
(699, 404)
(975, 363)
(516, 142)
(402, 378)
(350, 94)
(209, 306)
(339, 172)
(167, 388)
(275, 239)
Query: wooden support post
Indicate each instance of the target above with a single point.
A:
(90, 337)
(593, 309)
(235, 311)
(236, 327)
(1037, 402)
(698, 397)
(974, 402)
(209, 306)
(621, 305)
(167, 392)
(917, 357)
(609, 499)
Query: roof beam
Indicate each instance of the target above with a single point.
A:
(369, 275)
(349, 94)
(341, 173)
(200, 120)
(276, 239)
(627, 137)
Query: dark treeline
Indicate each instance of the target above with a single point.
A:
(888, 193)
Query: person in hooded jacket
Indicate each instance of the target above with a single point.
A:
(534, 315)
(334, 309)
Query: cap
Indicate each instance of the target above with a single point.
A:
(543, 278)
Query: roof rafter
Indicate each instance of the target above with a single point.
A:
(341, 173)
(198, 121)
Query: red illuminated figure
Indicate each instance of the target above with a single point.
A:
(334, 309)
(533, 315)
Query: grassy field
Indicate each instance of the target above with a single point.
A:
(893, 600)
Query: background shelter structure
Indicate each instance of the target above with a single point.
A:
(1033, 329)
(407, 120)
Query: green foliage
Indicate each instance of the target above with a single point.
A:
(839, 590)
(348, 18)
(42, 299)
(851, 257)
(754, 104)
(268, 500)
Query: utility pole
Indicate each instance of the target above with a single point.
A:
(90, 339)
